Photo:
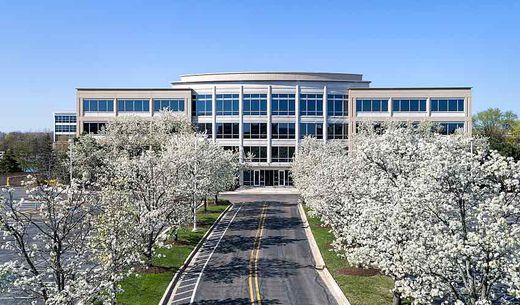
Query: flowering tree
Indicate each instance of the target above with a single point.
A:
(153, 201)
(436, 213)
(53, 262)
(204, 167)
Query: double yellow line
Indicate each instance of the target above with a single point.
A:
(254, 292)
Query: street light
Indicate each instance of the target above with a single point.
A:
(71, 142)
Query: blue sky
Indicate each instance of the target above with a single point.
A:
(49, 48)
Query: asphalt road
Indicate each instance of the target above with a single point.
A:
(258, 254)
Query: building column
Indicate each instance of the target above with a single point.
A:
(428, 107)
(351, 119)
(390, 107)
(116, 110)
(241, 128)
(269, 125)
(214, 114)
(325, 114)
(151, 107)
(297, 116)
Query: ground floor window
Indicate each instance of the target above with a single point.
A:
(267, 177)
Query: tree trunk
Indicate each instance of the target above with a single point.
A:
(205, 204)
(216, 199)
(396, 298)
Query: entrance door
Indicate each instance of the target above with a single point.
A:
(281, 179)
(256, 177)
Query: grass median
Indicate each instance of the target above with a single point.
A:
(148, 287)
(359, 289)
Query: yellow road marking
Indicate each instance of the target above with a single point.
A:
(253, 261)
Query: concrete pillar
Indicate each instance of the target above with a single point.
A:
(428, 107)
(325, 114)
(297, 116)
(390, 107)
(214, 114)
(151, 107)
(269, 124)
(116, 110)
(241, 128)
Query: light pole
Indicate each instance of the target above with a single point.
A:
(71, 142)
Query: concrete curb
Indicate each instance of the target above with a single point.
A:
(320, 266)
(170, 289)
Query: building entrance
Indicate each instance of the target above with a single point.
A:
(265, 177)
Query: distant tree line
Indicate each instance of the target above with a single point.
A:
(29, 152)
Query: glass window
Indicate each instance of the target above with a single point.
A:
(337, 131)
(283, 130)
(227, 104)
(202, 104)
(311, 129)
(283, 104)
(282, 153)
(93, 128)
(255, 104)
(447, 105)
(204, 127)
(257, 153)
(311, 104)
(371, 105)
(448, 128)
(176, 105)
(227, 130)
(65, 128)
(65, 119)
(98, 105)
(409, 105)
(337, 105)
(255, 130)
(131, 105)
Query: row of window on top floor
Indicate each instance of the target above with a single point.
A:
(132, 105)
(410, 105)
(312, 105)
(282, 104)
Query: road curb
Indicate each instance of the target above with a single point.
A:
(169, 290)
(320, 266)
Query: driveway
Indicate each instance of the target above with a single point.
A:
(257, 254)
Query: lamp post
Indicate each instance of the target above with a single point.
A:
(71, 142)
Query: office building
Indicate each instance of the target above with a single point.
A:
(268, 113)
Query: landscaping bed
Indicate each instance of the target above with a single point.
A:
(149, 286)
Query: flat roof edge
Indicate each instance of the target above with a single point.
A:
(131, 89)
(268, 72)
(416, 88)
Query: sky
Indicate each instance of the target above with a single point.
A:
(50, 48)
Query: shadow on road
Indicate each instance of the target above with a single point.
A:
(239, 267)
(235, 243)
(240, 301)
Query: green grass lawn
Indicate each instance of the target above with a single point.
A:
(359, 290)
(148, 288)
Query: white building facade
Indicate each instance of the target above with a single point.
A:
(266, 114)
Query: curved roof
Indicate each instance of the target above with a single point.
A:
(270, 76)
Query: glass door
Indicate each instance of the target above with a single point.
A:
(256, 178)
(281, 178)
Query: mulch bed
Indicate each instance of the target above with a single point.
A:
(358, 271)
(152, 269)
